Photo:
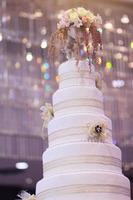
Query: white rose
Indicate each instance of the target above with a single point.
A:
(90, 16)
(73, 16)
(82, 11)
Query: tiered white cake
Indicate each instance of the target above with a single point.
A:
(76, 166)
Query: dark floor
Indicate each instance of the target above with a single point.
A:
(10, 193)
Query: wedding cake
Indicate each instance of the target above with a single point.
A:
(81, 161)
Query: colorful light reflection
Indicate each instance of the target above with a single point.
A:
(57, 78)
(108, 65)
(131, 44)
(44, 67)
(46, 76)
(48, 88)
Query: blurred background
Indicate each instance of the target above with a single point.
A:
(27, 80)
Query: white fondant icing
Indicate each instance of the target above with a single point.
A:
(78, 106)
(80, 157)
(86, 196)
(81, 149)
(74, 128)
(77, 92)
(77, 99)
(93, 182)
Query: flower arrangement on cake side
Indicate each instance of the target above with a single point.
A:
(26, 196)
(78, 35)
(47, 114)
(97, 132)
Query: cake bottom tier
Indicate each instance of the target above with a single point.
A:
(84, 186)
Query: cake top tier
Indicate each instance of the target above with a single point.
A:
(73, 65)
(78, 73)
(78, 35)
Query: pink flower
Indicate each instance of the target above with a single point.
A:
(84, 19)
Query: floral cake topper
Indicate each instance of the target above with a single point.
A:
(78, 34)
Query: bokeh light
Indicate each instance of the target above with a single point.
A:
(57, 78)
(22, 165)
(48, 88)
(108, 65)
(46, 65)
(118, 55)
(43, 30)
(130, 65)
(131, 44)
(125, 19)
(118, 83)
(24, 40)
(39, 60)
(108, 26)
(29, 56)
(44, 44)
(17, 65)
(43, 69)
(1, 37)
(46, 76)
(119, 30)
